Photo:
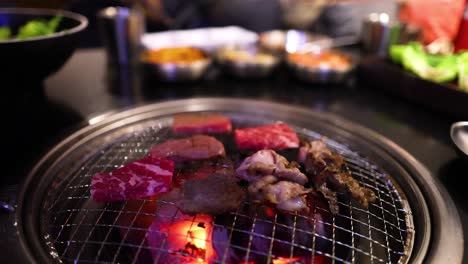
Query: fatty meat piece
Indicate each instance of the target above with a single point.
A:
(201, 123)
(277, 137)
(141, 178)
(268, 162)
(286, 195)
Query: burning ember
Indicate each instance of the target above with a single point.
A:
(299, 260)
(178, 238)
(285, 260)
(192, 236)
(174, 237)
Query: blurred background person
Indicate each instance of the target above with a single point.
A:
(337, 18)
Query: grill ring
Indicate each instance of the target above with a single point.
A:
(422, 190)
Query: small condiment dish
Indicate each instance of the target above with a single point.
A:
(177, 70)
(246, 62)
(322, 74)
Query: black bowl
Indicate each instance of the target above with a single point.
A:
(33, 59)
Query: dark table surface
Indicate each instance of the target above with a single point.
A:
(39, 115)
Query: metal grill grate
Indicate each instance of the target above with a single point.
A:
(79, 230)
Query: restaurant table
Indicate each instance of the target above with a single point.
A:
(40, 115)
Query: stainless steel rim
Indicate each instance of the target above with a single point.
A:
(435, 245)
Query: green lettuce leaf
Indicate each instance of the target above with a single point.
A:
(437, 68)
(463, 71)
(5, 33)
(38, 27)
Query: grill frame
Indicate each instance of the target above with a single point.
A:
(448, 247)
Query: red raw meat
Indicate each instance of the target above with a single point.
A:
(142, 178)
(197, 147)
(201, 123)
(277, 137)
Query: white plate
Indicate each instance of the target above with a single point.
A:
(208, 39)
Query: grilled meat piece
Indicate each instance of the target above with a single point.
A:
(347, 183)
(318, 156)
(268, 162)
(328, 175)
(198, 147)
(293, 204)
(259, 184)
(286, 195)
(201, 123)
(201, 170)
(215, 194)
(330, 196)
(276, 136)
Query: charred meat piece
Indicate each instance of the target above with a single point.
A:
(330, 196)
(277, 136)
(201, 123)
(268, 162)
(319, 156)
(197, 147)
(201, 170)
(141, 178)
(329, 176)
(344, 182)
(215, 194)
(286, 195)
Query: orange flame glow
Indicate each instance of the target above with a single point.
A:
(192, 239)
(281, 260)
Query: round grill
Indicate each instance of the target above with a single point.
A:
(70, 227)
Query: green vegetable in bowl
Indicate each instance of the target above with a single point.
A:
(396, 53)
(5, 33)
(438, 68)
(463, 71)
(37, 27)
(33, 28)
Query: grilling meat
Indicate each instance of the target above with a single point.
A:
(201, 170)
(215, 194)
(286, 195)
(268, 162)
(274, 180)
(329, 176)
(277, 136)
(198, 147)
(201, 123)
(138, 179)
